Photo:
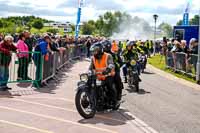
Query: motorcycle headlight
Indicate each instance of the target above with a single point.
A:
(133, 62)
(84, 77)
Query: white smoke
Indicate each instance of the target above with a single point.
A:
(133, 29)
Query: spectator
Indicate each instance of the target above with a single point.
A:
(23, 58)
(193, 50)
(42, 49)
(6, 48)
(170, 45)
(194, 46)
(55, 44)
(30, 43)
(177, 47)
(88, 45)
(184, 46)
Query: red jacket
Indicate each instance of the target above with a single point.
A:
(5, 53)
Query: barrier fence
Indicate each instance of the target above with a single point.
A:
(182, 62)
(18, 67)
(37, 69)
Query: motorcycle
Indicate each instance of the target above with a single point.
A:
(93, 96)
(143, 62)
(133, 76)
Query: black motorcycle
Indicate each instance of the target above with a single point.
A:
(93, 95)
(143, 62)
(133, 76)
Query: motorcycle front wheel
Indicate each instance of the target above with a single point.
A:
(84, 105)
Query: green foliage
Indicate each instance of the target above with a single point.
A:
(167, 28)
(54, 31)
(1, 24)
(38, 24)
(193, 21)
(18, 24)
(110, 22)
(88, 28)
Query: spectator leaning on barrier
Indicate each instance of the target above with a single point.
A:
(6, 48)
(194, 46)
(193, 51)
(55, 46)
(30, 43)
(23, 56)
(42, 48)
(184, 46)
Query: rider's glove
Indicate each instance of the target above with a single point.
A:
(107, 71)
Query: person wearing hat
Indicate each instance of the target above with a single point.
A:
(6, 49)
(42, 51)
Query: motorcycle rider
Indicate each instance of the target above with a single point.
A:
(143, 52)
(128, 54)
(102, 63)
(107, 46)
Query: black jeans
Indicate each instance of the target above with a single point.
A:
(119, 85)
(23, 68)
(111, 90)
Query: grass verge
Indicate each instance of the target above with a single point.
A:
(158, 61)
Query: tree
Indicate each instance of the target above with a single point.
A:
(195, 20)
(38, 24)
(1, 24)
(179, 22)
(54, 31)
(167, 28)
(88, 28)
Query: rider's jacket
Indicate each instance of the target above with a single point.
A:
(100, 65)
(128, 55)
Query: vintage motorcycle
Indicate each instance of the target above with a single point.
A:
(133, 76)
(93, 95)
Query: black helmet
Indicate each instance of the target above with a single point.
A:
(97, 50)
(107, 46)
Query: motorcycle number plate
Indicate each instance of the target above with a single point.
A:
(98, 82)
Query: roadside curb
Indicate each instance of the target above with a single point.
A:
(174, 78)
(141, 125)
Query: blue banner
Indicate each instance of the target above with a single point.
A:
(185, 19)
(186, 13)
(78, 19)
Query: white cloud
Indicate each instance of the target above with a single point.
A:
(66, 10)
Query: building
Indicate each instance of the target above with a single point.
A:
(66, 26)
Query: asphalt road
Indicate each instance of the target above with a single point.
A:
(162, 104)
(165, 105)
(52, 109)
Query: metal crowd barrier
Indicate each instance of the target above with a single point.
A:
(20, 69)
(182, 62)
(58, 60)
(36, 69)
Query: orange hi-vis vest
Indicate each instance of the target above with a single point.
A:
(100, 67)
(114, 47)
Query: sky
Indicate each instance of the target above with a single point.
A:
(169, 11)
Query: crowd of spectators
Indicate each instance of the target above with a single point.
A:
(29, 48)
(180, 54)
